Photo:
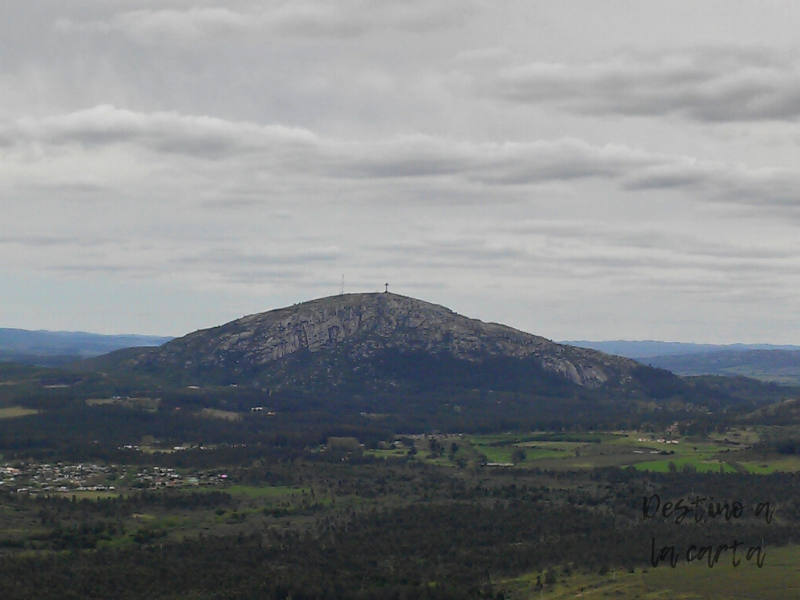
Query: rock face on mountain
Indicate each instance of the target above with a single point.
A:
(360, 327)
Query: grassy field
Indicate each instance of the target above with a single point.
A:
(12, 412)
(703, 465)
(499, 448)
(779, 579)
(727, 453)
(149, 404)
(388, 453)
(772, 465)
(214, 413)
(747, 435)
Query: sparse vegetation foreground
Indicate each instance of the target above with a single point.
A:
(428, 516)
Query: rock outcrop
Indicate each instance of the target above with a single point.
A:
(360, 326)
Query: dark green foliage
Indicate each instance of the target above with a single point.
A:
(781, 442)
(453, 546)
(658, 383)
(425, 372)
(518, 455)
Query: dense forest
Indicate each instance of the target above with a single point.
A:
(461, 534)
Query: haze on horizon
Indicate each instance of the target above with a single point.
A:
(577, 170)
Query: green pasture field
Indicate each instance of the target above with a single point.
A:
(388, 453)
(149, 404)
(505, 439)
(540, 450)
(746, 435)
(557, 451)
(214, 413)
(496, 454)
(779, 579)
(702, 466)
(772, 465)
(485, 440)
(551, 446)
(13, 412)
(499, 448)
(534, 451)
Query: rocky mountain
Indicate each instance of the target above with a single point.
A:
(371, 336)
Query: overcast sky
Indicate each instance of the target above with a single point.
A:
(575, 169)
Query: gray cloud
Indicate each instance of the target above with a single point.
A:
(235, 258)
(490, 163)
(248, 150)
(300, 150)
(653, 237)
(464, 253)
(620, 251)
(47, 241)
(303, 18)
(707, 85)
(167, 132)
(85, 268)
(242, 155)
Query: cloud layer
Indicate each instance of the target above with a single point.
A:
(578, 170)
(706, 85)
(248, 150)
(302, 18)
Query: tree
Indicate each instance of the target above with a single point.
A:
(453, 450)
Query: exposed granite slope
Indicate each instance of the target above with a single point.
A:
(362, 325)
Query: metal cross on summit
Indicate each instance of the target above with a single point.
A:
(387, 288)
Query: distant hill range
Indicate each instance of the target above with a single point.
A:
(53, 348)
(768, 362)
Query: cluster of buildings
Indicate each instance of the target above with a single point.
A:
(62, 478)
(158, 477)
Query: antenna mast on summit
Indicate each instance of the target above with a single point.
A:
(387, 288)
(342, 293)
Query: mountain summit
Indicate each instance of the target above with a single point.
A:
(329, 338)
